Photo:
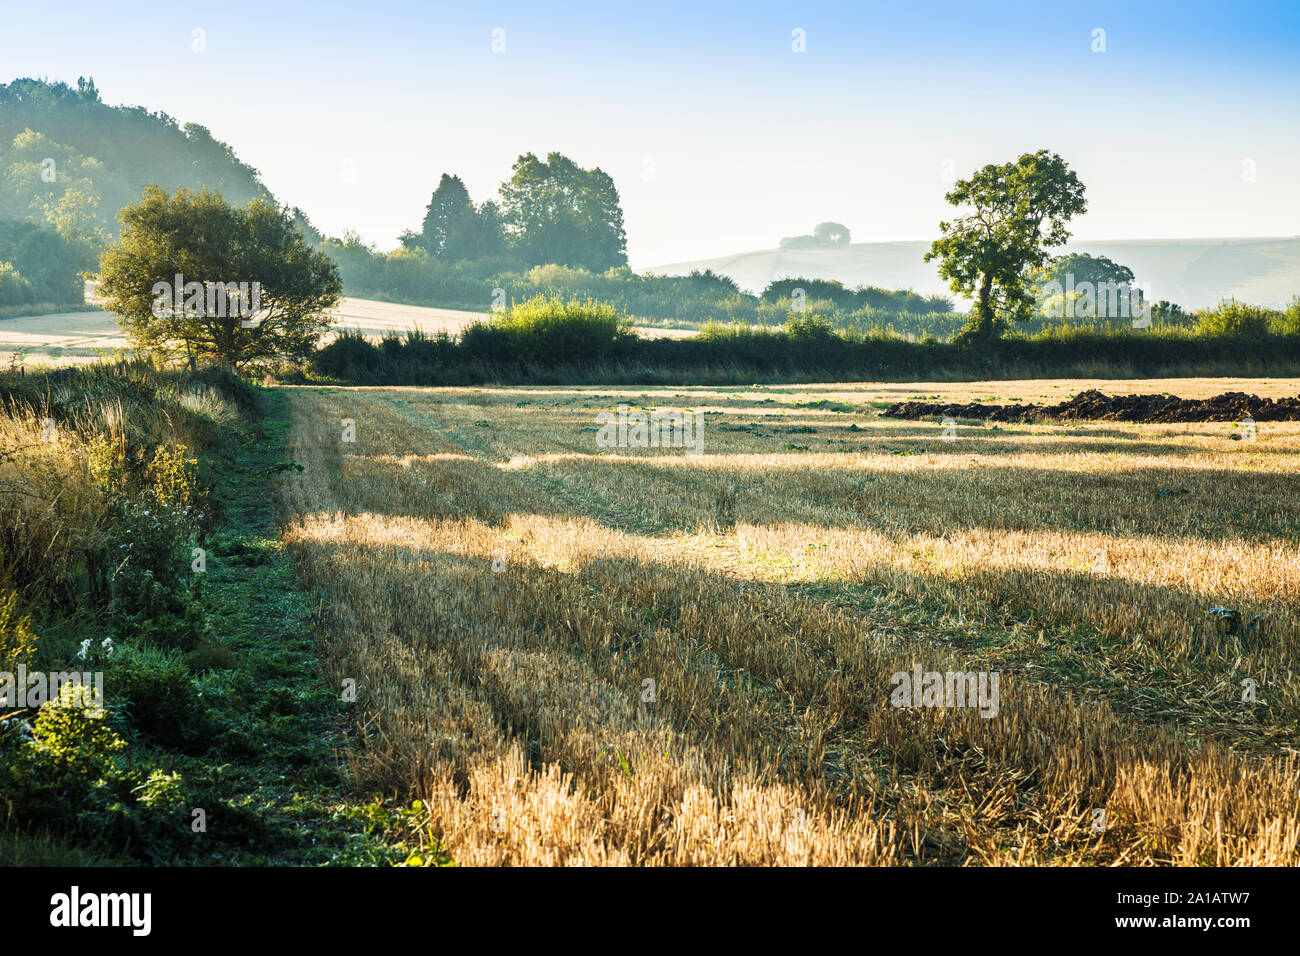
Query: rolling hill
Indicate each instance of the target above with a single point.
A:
(1192, 272)
(67, 156)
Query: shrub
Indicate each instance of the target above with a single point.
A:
(173, 476)
(550, 331)
(155, 693)
(350, 355)
(1288, 323)
(153, 591)
(14, 287)
(808, 327)
(70, 739)
(1235, 318)
(17, 639)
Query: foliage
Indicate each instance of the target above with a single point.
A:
(454, 229)
(17, 639)
(37, 265)
(806, 346)
(1236, 318)
(556, 211)
(1019, 210)
(545, 331)
(107, 154)
(207, 242)
(1055, 285)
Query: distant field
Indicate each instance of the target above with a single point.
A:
(85, 336)
(579, 654)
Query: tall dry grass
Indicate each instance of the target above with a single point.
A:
(61, 433)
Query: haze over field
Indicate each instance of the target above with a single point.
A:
(1196, 273)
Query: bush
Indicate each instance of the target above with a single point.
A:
(155, 693)
(1235, 318)
(1288, 323)
(173, 476)
(350, 356)
(808, 327)
(71, 745)
(17, 639)
(546, 331)
(14, 288)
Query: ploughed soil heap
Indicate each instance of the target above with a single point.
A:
(1092, 405)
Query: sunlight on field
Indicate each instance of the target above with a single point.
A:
(580, 654)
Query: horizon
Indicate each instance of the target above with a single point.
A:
(1205, 92)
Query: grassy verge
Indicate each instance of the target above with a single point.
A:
(218, 742)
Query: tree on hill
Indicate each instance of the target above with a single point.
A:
(250, 285)
(831, 234)
(824, 234)
(1019, 211)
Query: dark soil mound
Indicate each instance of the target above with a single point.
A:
(1094, 406)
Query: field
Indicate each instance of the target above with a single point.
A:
(76, 337)
(576, 654)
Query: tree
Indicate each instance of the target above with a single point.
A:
(454, 229)
(252, 286)
(448, 208)
(1105, 286)
(1020, 211)
(831, 234)
(482, 236)
(14, 288)
(1171, 314)
(556, 211)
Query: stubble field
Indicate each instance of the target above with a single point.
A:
(583, 655)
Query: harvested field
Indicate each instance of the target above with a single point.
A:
(575, 654)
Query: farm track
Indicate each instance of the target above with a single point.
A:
(769, 594)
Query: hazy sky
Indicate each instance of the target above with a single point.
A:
(720, 137)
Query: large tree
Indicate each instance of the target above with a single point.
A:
(556, 211)
(216, 251)
(1019, 211)
(1086, 285)
(454, 229)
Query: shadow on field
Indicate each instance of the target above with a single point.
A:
(1206, 504)
(523, 608)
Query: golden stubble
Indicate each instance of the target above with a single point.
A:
(769, 589)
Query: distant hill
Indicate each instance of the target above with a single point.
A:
(69, 159)
(1192, 272)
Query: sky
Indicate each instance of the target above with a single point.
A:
(1181, 119)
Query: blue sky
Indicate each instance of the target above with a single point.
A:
(719, 135)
